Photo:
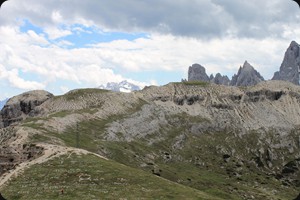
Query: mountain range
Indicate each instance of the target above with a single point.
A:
(184, 140)
(247, 75)
(123, 86)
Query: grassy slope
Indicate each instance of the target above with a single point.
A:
(197, 164)
(90, 177)
(184, 167)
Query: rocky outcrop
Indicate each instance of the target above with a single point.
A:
(219, 79)
(197, 73)
(246, 76)
(18, 107)
(10, 156)
(289, 69)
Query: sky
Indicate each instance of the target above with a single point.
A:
(60, 45)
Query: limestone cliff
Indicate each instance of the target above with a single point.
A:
(246, 76)
(197, 73)
(289, 69)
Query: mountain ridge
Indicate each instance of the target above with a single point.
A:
(213, 141)
(123, 86)
(247, 75)
(247, 134)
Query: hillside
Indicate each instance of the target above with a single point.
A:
(201, 140)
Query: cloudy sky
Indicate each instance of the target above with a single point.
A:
(59, 45)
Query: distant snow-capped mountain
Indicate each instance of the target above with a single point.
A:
(123, 86)
(2, 103)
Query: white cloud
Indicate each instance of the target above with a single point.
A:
(34, 38)
(16, 81)
(215, 34)
(56, 17)
(64, 43)
(55, 32)
(97, 65)
(64, 89)
(20, 83)
(197, 18)
(84, 66)
(96, 75)
(170, 53)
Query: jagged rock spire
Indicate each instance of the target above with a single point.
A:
(289, 69)
(246, 76)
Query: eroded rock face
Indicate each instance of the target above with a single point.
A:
(197, 73)
(246, 76)
(263, 95)
(289, 69)
(10, 156)
(19, 106)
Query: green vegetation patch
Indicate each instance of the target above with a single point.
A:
(194, 83)
(219, 163)
(90, 177)
(75, 94)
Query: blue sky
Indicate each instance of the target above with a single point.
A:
(61, 45)
(82, 36)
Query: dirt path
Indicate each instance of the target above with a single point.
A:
(50, 152)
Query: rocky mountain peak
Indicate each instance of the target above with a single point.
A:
(289, 69)
(246, 76)
(123, 86)
(197, 73)
(247, 67)
(220, 80)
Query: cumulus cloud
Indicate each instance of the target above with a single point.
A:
(198, 18)
(97, 64)
(218, 34)
(55, 32)
(52, 63)
(170, 53)
(12, 76)
(18, 82)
